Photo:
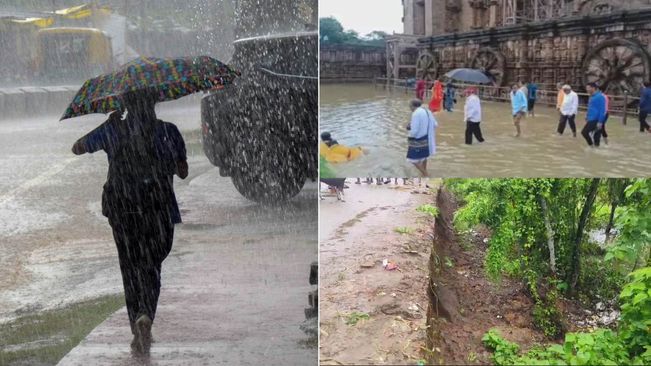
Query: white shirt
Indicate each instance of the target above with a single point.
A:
(570, 104)
(472, 109)
(424, 124)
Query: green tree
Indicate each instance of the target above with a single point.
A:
(331, 31)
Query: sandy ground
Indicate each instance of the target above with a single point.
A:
(356, 235)
(234, 286)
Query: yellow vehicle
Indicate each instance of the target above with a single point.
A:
(73, 52)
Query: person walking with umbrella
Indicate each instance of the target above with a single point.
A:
(422, 136)
(519, 106)
(472, 116)
(144, 153)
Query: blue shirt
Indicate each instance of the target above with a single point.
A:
(169, 146)
(519, 102)
(533, 90)
(596, 108)
(645, 100)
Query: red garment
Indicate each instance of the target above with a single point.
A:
(437, 97)
(420, 89)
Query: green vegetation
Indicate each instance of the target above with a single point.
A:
(354, 317)
(545, 233)
(332, 32)
(325, 171)
(631, 345)
(403, 230)
(46, 337)
(428, 209)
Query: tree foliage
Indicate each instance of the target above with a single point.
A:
(332, 32)
(541, 230)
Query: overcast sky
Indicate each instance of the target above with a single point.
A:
(365, 16)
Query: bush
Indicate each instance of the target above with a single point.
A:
(635, 322)
(599, 280)
(630, 346)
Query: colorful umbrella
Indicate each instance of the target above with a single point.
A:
(169, 78)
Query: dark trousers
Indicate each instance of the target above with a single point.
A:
(591, 127)
(472, 128)
(143, 242)
(564, 121)
(644, 126)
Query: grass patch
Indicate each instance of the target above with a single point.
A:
(44, 338)
(403, 230)
(428, 209)
(355, 316)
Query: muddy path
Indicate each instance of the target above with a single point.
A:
(369, 315)
(464, 304)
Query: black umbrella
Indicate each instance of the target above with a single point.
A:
(469, 76)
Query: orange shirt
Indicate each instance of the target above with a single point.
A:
(559, 99)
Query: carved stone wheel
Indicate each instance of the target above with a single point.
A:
(491, 62)
(618, 65)
(426, 66)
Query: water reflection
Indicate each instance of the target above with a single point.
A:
(359, 114)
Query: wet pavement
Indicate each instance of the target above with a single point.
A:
(234, 286)
(361, 115)
(355, 237)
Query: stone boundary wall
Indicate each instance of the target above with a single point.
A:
(545, 52)
(352, 62)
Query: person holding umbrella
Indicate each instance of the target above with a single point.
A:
(472, 116)
(144, 153)
(519, 106)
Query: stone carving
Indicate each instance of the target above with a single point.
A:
(618, 64)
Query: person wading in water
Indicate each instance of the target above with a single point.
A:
(144, 154)
(422, 139)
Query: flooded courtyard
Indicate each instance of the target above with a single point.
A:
(375, 119)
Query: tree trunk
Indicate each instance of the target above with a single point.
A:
(583, 220)
(550, 233)
(611, 220)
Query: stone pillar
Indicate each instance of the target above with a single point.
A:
(492, 22)
(408, 16)
(429, 18)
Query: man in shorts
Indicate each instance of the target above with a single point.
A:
(519, 105)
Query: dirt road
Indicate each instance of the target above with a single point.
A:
(369, 314)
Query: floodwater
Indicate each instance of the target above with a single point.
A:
(362, 115)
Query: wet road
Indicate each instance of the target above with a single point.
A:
(361, 115)
(234, 286)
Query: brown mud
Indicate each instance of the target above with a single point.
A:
(464, 304)
(369, 315)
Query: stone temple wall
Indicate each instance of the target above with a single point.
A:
(338, 62)
(611, 49)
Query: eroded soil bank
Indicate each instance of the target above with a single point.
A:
(464, 304)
